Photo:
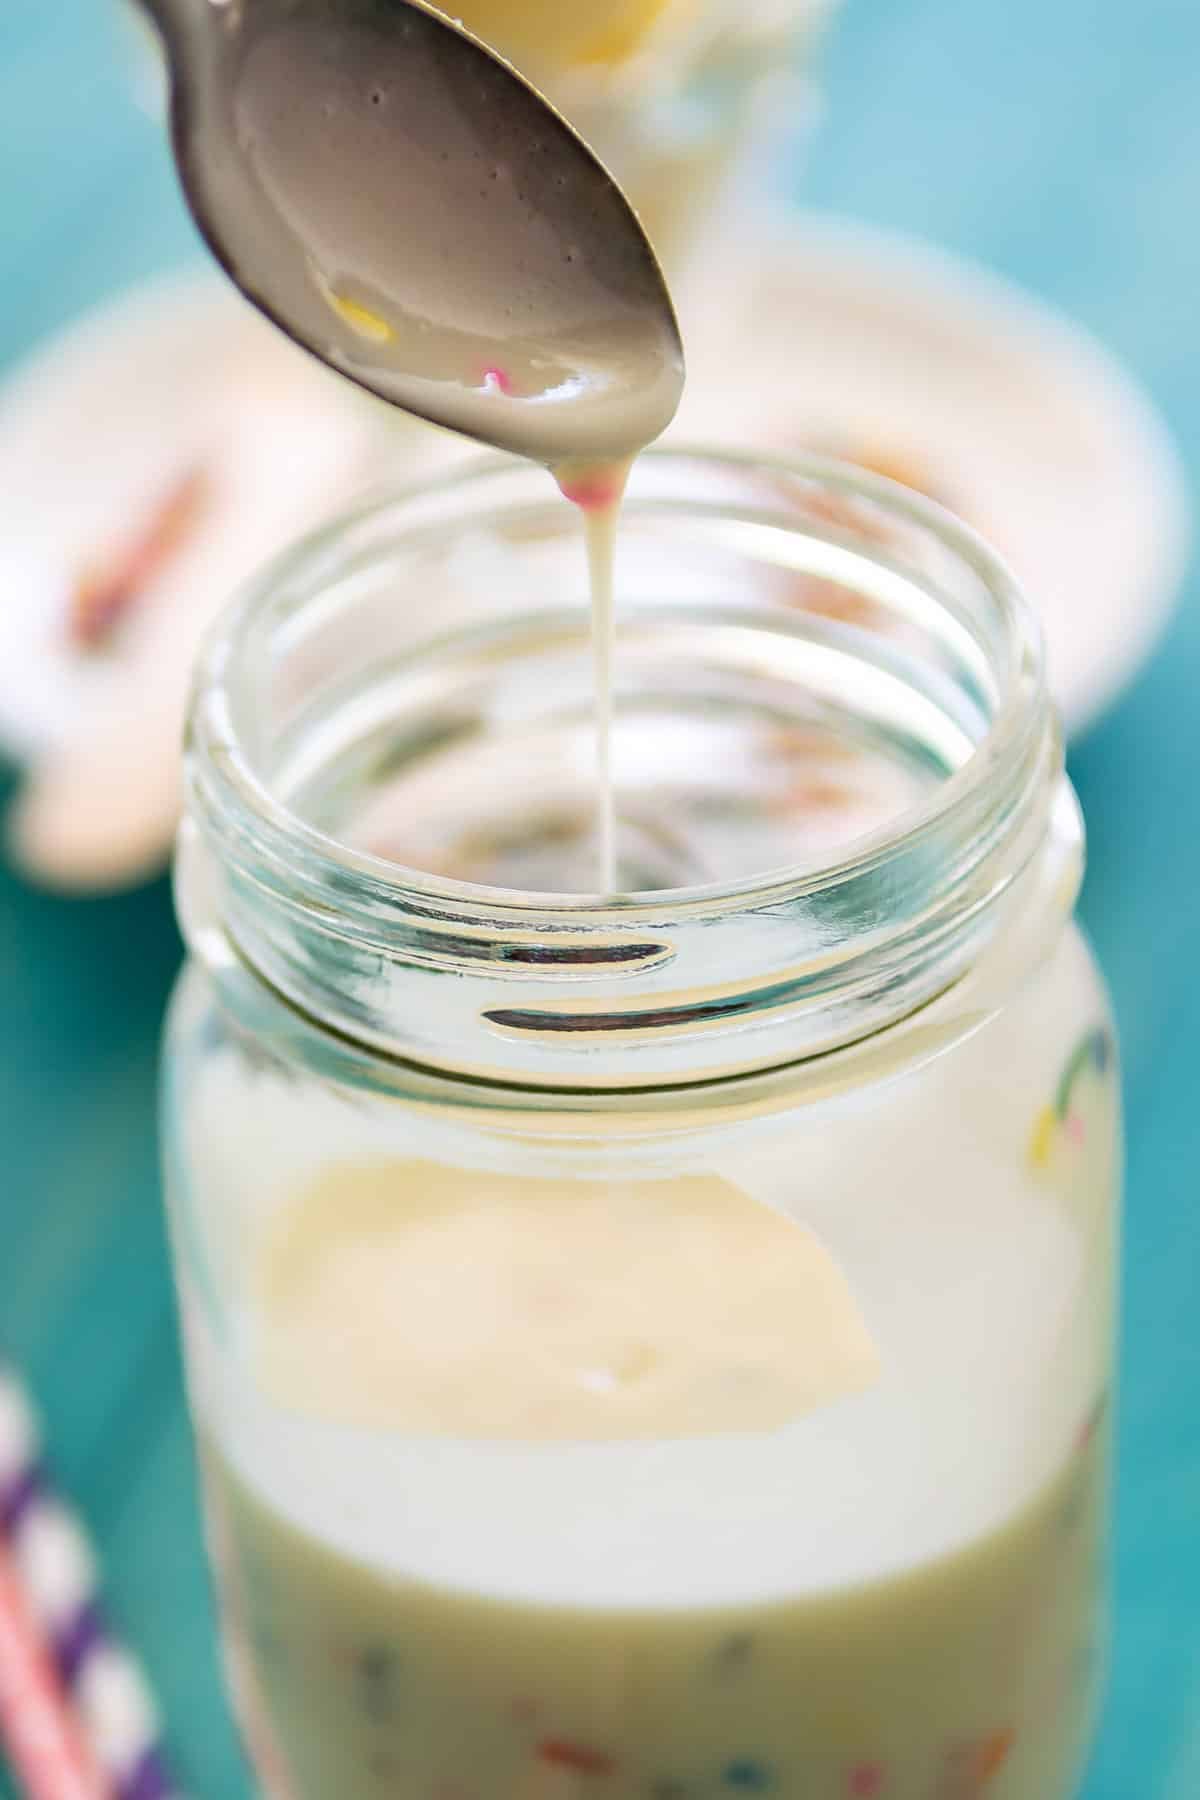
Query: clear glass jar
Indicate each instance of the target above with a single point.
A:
(656, 1344)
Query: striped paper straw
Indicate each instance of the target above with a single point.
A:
(57, 1572)
(37, 1729)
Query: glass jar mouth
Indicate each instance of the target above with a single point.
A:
(217, 730)
(856, 938)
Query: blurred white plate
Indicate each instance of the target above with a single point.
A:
(176, 384)
(95, 427)
(97, 423)
(840, 335)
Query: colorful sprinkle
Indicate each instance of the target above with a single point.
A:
(591, 491)
(810, 796)
(994, 1753)
(866, 1781)
(752, 1777)
(972, 1766)
(1094, 1051)
(361, 319)
(109, 590)
(563, 1755)
(1041, 1141)
(497, 381)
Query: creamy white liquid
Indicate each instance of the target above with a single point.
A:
(407, 1296)
(597, 490)
(601, 541)
(927, 1246)
(479, 1419)
(973, 1675)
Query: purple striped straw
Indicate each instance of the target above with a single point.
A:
(58, 1572)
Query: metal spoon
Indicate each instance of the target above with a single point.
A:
(405, 206)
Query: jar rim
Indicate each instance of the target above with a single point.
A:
(659, 986)
(212, 729)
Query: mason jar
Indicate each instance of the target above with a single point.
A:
(658, 1342)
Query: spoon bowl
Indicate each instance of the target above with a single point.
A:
(405, 206)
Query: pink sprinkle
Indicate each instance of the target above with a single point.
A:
(1075, 1128)
(866, 1781)
(497, 381)
(580, 1757)
(591, 494)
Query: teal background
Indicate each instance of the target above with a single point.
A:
(1058, 140)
